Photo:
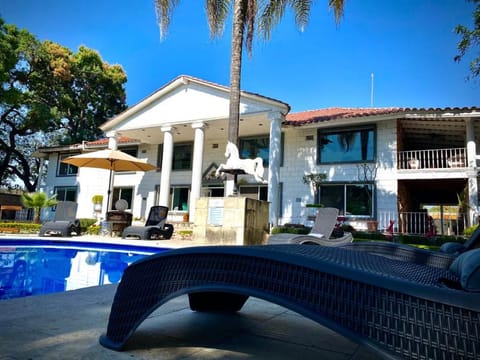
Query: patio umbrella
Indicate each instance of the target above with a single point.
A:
(113, 160)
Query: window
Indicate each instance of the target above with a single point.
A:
(179, 198)
(251, 148)
(66, 193)
(213, 191)
(254, 192)
(346, 146)
(125, 193)
(130, 150)
(350, 199)
(65, 169)
(182, 156)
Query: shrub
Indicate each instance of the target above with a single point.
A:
(291, 229)
(85, 224)
(93, 230)
(469, 231)
(25, 227)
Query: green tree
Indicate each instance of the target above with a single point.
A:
(49, 95)
(470, 38)
(38, 201)
(90, 91)
(245, 13)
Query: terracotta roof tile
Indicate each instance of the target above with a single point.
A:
(314, 116)
(320, 115)
(104, 141)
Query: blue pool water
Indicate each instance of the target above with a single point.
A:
(33, 267)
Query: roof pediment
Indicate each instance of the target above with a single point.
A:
(185, 100)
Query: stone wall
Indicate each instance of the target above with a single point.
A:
(231, 221)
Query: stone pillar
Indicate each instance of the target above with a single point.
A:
(167, 158)
(472, 163)
(274, 166)
(196, 168)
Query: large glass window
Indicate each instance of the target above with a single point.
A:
(356, 145)
(251, 148)
(125, 193)
(66, 193)
(182, 156)
(350, 199)
(65, 169)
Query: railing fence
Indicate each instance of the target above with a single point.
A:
(432, 159)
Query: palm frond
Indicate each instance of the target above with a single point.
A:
(217, 13)
(164, 10)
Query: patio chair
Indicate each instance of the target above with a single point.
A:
(443, 258)
(155, 227)
(321, 233)
(400, 309)
(65, 223)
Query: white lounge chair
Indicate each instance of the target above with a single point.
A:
(321, 233)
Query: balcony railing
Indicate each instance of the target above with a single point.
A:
(432, 159)
(422, 223)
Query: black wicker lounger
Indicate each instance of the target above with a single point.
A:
(399, 308)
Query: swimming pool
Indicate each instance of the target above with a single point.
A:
(33, 267)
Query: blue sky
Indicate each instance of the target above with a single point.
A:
(409, 45)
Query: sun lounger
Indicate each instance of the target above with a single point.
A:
(321, 233)
(398, 308)
(155, 227)
(443, 258)
(65, 223)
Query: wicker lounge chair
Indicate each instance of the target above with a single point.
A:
(321, 233)
(448, 251)
(398, 308)
(65, 223)
(155, 227)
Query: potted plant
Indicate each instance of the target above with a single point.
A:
(97, 201)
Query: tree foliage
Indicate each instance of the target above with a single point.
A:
(470, 39)
(49, 95)
(38, 201)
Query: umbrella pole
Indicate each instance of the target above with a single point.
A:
(109, 192)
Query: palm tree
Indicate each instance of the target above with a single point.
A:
(37, 201)
(245, 13)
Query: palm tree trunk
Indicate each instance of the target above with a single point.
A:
(236, 69)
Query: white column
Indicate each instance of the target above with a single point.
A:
(274, 166)
(470, 140)
(472, 163)
(196, 168)
(166, 173)
(112, 145)
(112, 140)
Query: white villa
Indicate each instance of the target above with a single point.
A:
(406, 165)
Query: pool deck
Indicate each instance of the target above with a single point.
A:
(67, 326)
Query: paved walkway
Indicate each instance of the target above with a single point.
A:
(67, 326)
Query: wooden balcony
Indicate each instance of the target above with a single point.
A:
(432, 159)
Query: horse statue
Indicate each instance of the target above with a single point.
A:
(251, 167)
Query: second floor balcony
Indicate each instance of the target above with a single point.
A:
(432, 159)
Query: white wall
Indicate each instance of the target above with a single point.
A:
(299, 159)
